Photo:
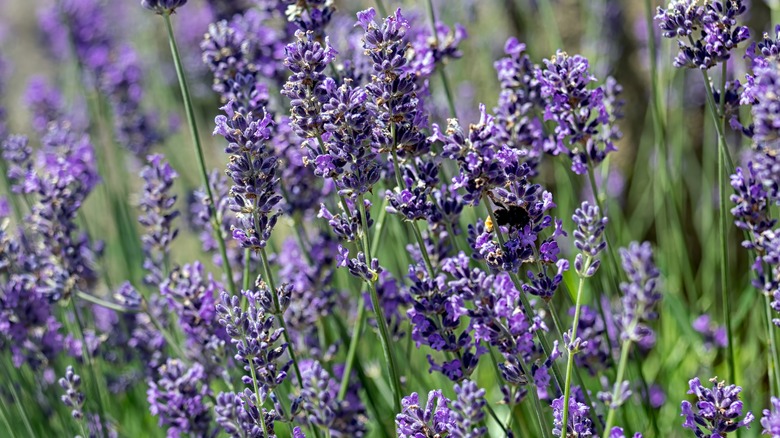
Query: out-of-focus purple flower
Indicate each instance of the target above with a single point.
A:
(191, 296)
(588, 238)
(324, 409)
(109, 66)
(73, 397)
(122, 82)
(580, 424)
(717, 409)
(158, 213)
(585, 118)
(415, 420)
(253, 335)
(706, 34)
(617, 432)
(714, 336)
(467, 411)
(178, 396)
(430, 51)
(242, 45)
(238, 414)
(639, 293)
(313, 295)
(594, 354)
(766, 164)
(770, 422)
(17, 155)
(311, 15)
(303, 190)
(519, 104)
(161, 7)
(44, 101)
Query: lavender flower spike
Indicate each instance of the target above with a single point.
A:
(770, 422)
(73, 397)
(416, 421)
(717, 409)
(579, 423)
(588, 238)
(158, 214)
(639, 293)
(163, 6)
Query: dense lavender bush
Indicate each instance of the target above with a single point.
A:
(406, 222)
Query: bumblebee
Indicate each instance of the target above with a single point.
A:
(512, 216)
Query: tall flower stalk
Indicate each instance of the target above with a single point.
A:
(165, 11)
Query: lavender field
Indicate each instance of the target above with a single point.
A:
(387, 218)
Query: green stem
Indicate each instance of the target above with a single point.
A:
(91, 364)
(774, 371)
(442, 74)
(496, 419)
(103, 303)
(258, 402)
(723, 157)
(247, 282)
(17, 401)
(570, 360)
(357, 332)
(190, 113)
(624, 351)
(381, 322)
(280, 315)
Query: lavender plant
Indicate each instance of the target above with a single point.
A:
(365, 232)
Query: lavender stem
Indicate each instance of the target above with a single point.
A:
(188, 110)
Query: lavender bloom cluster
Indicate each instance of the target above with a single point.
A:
(718, 409)
(439, 416)
(706, 34)
(157, 206)
(108, 65)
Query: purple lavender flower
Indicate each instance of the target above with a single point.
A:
(594, 354)
(158, 213)
(718, 409)
(706, 34)
(766, 164)
(585, 118)
(253, 334)
(178, 397)
(244, 44)
(161, 7)
(319, 394)
(252, 167)
(65, 176)
(191, 296)
(588, 238)
(44, 101)
(307, 58)
(433, 50)
(580, 424)
(347, 158)
(311, 15)
(761, 92)
(519, 104)
(238, 414)
(770, 422)
(17, 155)
(639, 293)
(467, 411)
(73, 397)
(109, 66)
(310, 277)
(417, 421)
(617, 432)
(400, 114)
(714, 336)
(303, 190)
